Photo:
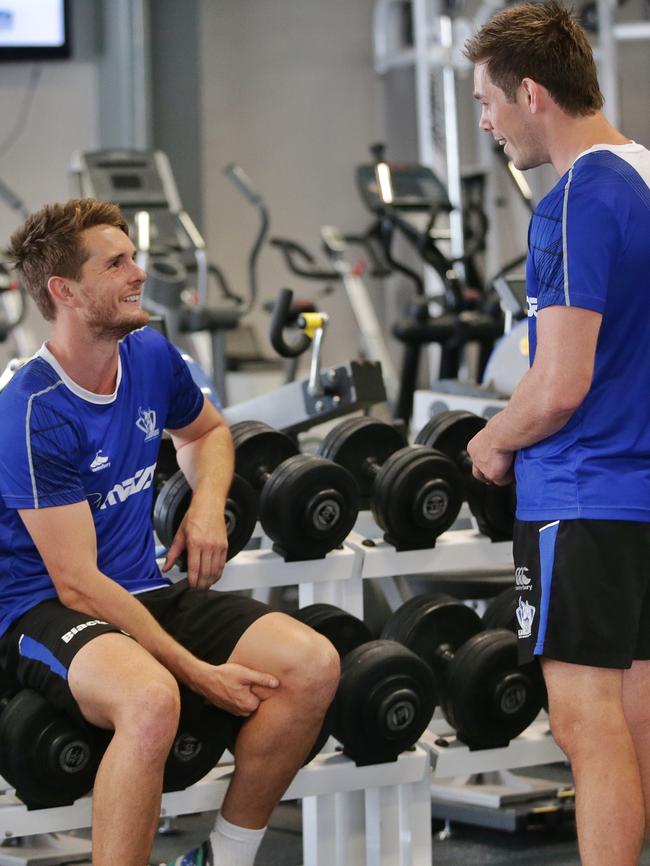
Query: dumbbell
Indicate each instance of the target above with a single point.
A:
(413, 491)
(492, 506)
(386, 694)
(307, 505)
(174, 499)
(501, 612)
(50, 759)
(484, 694)
(201, 739)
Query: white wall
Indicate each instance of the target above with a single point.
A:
(288, 92)
(62, 118)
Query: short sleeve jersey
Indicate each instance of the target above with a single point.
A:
(61, 444)
(589, 247)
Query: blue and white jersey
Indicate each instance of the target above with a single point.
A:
(589, 246)
(61, 444)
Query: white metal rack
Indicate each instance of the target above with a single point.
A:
(376, 815)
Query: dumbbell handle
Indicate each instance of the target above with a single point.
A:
(465, 461)
(444, 654)
(260, 478)
(370, 468)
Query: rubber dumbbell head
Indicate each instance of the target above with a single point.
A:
(415, 494)
(307, 505)
(50, 759)
(484, 694)
(492, 506)
(201, 739)
(174, 499)
(384, 702)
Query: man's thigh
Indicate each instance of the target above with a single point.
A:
(206, 622)
(40, 648)
(583, 591)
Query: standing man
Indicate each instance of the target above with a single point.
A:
(86, 617)
(579, 421)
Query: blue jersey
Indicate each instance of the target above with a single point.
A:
(589, 246)
(61, 444)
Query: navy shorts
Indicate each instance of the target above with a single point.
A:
(38, 648)
(583, 591)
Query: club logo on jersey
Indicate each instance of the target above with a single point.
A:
(521, 581)
(100, 462)
(532, 307)
(525, 616)
(147, 423)
(121, 491)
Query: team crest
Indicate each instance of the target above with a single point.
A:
(525, 616)
(147, 423)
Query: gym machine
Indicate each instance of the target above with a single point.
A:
(169, 246)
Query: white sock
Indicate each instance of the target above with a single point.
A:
(232, 845)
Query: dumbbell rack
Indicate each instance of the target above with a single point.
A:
(376, 815)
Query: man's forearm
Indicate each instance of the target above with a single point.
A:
(102, 598)
(208, 463)
(534, 412)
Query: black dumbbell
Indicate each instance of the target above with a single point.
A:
(502, 613)
(386, 694)
(414, 492)
(492, 506)
(484, 694)
(174, 498)
(307, 505)
(201, 739)
(50, 759)
(345, 632)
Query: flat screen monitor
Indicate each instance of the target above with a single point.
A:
(34, 29)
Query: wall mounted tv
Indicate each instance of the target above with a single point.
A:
(34, 29)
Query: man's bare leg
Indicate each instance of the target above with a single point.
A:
(589, 725)
(275, 741)
(636, 706)
(117, 684)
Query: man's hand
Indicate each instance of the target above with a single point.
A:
(234, 688)
(490, 465)
(203, 533)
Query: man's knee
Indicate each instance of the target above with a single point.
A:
(579, 728)
(304, 661)
(318, 668)
(149, 714)
(585, 707)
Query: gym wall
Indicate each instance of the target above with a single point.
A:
(289, 92)
(62, 117)
(284, 87)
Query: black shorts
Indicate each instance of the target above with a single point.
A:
(38, 648)
(583, 591)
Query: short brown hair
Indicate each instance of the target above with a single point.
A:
(49, 243)
(545, 42)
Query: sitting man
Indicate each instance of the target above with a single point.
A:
(79, 439)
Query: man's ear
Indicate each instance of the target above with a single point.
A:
(60, 290)
(532, 93)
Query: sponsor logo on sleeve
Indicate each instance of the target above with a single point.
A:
(532, 307)
(100, 462)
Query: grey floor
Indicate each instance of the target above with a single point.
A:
(551, 842)
(548, 843)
